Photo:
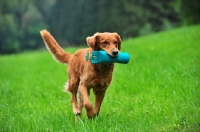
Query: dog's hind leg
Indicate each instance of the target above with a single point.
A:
(80, 101)
(76, 109)
(72, 87)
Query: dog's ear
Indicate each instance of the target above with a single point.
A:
(93, 41)
(119, 41)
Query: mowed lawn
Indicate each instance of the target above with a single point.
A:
(158, 90)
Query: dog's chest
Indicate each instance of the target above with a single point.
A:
(103, 71)
(100, 83)
(101, 77)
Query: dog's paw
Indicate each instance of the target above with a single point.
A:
(91, 115)
(77, 112)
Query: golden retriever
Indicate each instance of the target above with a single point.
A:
(82, 74)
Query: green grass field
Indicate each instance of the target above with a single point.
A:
(158, 91)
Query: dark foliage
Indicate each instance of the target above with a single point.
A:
(72, 21)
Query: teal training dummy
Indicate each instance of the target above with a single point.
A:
(102, 57)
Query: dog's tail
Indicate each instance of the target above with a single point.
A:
(57, 52)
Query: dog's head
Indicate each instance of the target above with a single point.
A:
(109, 42)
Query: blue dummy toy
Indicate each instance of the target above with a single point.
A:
(103, 57)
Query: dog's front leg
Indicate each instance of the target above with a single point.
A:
(99, 96)
(84, 92)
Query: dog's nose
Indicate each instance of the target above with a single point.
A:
(115, 52)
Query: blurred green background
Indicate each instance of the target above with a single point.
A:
(70, 21)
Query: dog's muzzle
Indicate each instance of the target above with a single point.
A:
(115, 52)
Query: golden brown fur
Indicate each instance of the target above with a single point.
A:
(83, 75)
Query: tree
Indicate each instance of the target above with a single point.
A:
(76, 20)
(70, 22)
(190, 11)
(19, 25)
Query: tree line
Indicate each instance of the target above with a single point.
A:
(72, 21)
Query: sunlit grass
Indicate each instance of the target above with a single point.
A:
(157, 91)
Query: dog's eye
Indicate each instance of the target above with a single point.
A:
(115, 42)
(105, 42)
